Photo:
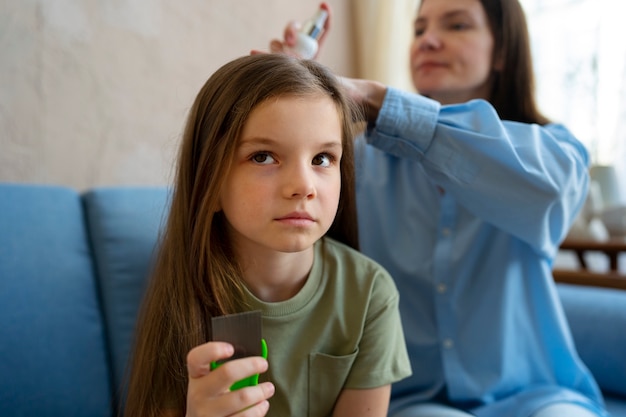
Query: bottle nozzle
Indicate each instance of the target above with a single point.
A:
(315, 26)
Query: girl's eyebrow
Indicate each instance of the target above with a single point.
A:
(261, 140)
(332, 144)
(256, 140)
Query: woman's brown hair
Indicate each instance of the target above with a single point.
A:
(196, 275)
(513, 86)
(512, 80)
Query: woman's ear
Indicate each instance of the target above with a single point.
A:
(498, 61)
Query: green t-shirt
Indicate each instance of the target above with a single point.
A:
(342, 330)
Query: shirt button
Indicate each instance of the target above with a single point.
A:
(442, 288)
(448, 343)
(445, 232)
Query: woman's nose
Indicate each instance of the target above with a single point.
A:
(429, 39)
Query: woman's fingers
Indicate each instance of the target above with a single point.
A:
(326, 7)
(290, 35)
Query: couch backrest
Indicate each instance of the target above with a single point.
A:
(124, 224)
(71, 263)
(53, 358)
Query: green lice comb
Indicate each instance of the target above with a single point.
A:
(243, 331)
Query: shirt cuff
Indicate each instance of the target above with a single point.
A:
(405, 125)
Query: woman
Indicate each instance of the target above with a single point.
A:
(464, 193)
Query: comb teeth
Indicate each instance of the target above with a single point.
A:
(242, 330)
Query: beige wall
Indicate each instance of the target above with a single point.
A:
(95, 92)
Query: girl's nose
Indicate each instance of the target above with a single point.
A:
(299, 182)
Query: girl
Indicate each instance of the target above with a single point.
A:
(263, 218)
(465, 192)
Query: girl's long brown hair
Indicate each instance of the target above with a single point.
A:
(196, 276)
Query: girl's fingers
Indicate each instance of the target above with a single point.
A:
(199, 358)
(238, 369)
(252, 401)
(209, 390)
(245, 402)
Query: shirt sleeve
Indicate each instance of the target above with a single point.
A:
(526, 179)
(382, 357)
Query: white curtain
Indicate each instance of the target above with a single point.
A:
(580, 62)
(384, 30)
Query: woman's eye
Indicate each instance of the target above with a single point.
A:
(418, 32)
(262, 158)
(459, 26)
(323, 160)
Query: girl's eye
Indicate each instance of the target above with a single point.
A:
(324, 160)
(262, 158)
(418, 32)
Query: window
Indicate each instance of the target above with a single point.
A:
(580, 65)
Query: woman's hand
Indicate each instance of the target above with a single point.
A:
(369, 95)
(208, 393)
(291, 32)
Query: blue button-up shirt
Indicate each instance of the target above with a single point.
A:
(466, 212)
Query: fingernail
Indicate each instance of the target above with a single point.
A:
(265, 405)
(269, 389)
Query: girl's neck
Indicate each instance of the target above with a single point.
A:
(277, 276)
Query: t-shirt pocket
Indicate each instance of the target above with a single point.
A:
(327, 376)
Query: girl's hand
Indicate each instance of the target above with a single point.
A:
(208, 393)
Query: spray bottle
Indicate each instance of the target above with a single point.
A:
(306, 44)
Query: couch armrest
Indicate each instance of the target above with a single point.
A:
(597, 318)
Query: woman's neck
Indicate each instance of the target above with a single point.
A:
(462, 96)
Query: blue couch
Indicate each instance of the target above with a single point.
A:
(72, 272)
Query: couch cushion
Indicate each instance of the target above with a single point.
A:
(52, 348)
(616, 406)
(597, 318)
(124, 224)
